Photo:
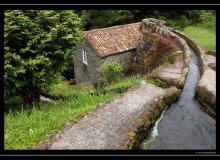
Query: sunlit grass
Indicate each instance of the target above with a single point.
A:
(26, 127)
(205, 37)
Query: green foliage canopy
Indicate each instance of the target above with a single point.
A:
(37, 43)
(92, 19)
(179, 19)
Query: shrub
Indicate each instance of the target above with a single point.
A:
(111, 72)
(207, 20)
(180, 23)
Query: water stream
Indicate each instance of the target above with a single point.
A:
(45, 99)
(184, 125)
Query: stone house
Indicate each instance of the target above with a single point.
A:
(138, 47)
(104, 45)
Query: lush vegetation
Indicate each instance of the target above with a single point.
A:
(92, 19)
(37, 46)
(38, 49)
(204, 36)
(204, 32)
(111, 72)
(178, 19)
(26, 127)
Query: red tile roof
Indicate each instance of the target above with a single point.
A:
(113, 40)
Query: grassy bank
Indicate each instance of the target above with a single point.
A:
(204, 36)
(24, 128)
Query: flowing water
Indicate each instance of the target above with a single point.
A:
(45, 99)
(184, 125)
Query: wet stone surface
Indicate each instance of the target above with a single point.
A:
(184, 125)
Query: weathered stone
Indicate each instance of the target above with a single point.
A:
(198, 50)
(208, 60)
(213, 53)
(156, 43)
(91, 71)
(172, 74)
(206, 89)
(212, 66)
(111, 125)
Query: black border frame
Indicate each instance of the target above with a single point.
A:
(104, 152)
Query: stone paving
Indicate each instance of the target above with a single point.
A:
(109, 125)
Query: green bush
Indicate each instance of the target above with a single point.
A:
(110, 72)
(180, 23)
(207, 20)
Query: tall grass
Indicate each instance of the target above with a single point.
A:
(24, 128)
(206, 37)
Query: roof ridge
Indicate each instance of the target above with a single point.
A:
(112, 27)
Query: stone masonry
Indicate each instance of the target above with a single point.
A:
(91, 72)
(153, 42)
(156, 43)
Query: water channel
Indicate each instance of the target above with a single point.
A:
(184, 125)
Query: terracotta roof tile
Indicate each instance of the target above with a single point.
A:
(113, 40)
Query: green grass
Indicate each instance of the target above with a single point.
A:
(155, 81)
(25, 128)
(122, 85)
(204, 36)
(65, 90)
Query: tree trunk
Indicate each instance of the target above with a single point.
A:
(37, 101)
(31, 97)
(37, 98)
(27, 100)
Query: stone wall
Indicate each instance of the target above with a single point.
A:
(81, 70)
(198, 50)
(156, 42)
(206, 88)
(91, 72)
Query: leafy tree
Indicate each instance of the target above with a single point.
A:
(208, 19)
(37, 43)
(92, 19)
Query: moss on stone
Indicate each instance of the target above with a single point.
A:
(163, 82)
(155, 81)
(170, 58)
(151, 116)
(210, 110)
